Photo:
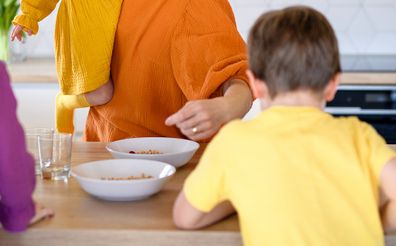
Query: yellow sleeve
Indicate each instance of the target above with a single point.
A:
(33, 11)
(206, 185)
(377, 152)
(207, 49)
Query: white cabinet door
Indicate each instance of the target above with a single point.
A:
(36, 106)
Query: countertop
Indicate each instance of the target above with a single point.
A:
(42, 70)
(83, 220)
(37, 70)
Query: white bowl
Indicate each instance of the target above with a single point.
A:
(174, 151)
(90, 175)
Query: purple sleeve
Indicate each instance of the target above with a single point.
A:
(17, 178)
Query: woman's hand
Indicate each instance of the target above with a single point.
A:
(17, 32)
(41, 214)
(200, 119)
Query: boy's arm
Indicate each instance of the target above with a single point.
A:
(185, 216)
(388, 187)
(33, 11)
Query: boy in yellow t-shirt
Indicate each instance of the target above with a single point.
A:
(84, 37)
(295, 175)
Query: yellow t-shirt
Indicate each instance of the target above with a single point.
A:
(296, 176)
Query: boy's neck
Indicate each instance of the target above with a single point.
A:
(298, 99)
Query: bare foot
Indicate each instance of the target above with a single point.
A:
(100, 96)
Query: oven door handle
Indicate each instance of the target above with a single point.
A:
(359, 111)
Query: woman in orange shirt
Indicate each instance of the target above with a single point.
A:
(178, 69)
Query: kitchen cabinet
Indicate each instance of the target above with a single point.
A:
(35, 86)
(36, 106)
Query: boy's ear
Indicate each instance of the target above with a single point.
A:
(331, 88)
(258, 86)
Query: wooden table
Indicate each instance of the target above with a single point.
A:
(83, 220)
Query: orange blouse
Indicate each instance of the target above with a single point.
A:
(166, 53)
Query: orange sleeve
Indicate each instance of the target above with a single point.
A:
(207, 49)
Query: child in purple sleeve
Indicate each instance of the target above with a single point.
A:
(17, 178)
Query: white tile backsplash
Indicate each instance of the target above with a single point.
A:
(382, 17)
(362, 26)
(342, 16)
(361, 31)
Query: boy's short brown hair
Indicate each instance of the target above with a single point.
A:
(293, 49)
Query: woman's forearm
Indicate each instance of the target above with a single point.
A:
(238, 97)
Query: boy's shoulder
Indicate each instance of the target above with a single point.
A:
(355, 128)
(233, 131)
(351, 122)
(239, 131)
(235, 127)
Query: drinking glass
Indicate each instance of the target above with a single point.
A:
(32, 135)
(55, 156)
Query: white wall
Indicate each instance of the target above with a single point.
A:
(362, 26)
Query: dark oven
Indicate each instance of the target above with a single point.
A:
(376, 103)
(373, 104)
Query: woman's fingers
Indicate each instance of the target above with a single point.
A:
(199, 119)
(190, 122)
(198, 128)
(202, 135)
(180, 116)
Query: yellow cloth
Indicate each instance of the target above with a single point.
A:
(84, 37)
(296, 176)
(64, 112)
